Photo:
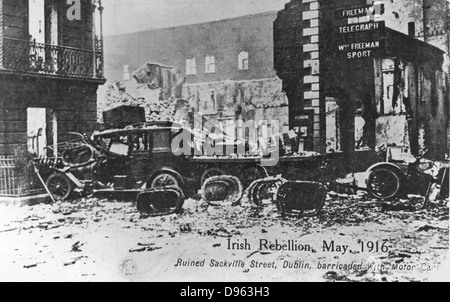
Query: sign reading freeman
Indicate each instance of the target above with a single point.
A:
(359, 49)
(360, 11)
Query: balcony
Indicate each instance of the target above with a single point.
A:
(24, 56)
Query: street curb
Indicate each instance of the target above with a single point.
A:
(25, 201)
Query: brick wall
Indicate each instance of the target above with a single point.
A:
(297, 37)
(311, 78)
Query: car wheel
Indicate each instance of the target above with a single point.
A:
(164, 180)
(383, 183)
(60, 186)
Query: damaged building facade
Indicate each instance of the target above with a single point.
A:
(51, 65)
(226, 69)
(349, 76)
(366, 84)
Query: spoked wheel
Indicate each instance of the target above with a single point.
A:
(211, 172)
(60, 186)
(164, 180)
(383, 183)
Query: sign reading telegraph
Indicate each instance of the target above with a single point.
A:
(360, 27)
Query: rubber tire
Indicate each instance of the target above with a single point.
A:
(67, 182)
(170, 176)
(371, 179)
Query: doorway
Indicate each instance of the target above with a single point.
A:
(37, 131)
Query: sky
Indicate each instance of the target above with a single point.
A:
(125, 16)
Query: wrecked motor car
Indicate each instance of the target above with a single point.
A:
(126, 160)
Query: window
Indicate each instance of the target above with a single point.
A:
(412, 29)
(36, 20)
(120, 145)
(161, 141)
(140, 142)
(210, 64)
(126, 73)
(191, 67)
(243, 60)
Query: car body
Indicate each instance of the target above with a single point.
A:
(138, 156)
(126, 159)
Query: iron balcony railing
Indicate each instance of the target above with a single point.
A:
(31, 57)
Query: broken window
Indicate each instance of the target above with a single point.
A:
(191, 67)
(161, 141)
(395, 87)
(210, 64)
(36, 24)
(333, 135)
(243, 60)
(126, 73)
(394, 104)
(120, 145)
(360, 123)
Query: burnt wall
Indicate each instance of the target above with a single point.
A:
(350, 81)
(297, 43)
(223, 39)
(289, 55)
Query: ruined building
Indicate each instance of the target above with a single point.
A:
(227, 67)
(349, 91)
(368, 74)
(51, 65)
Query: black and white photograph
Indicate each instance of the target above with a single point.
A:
(213, 141)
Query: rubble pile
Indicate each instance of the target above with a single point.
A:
(155, 87)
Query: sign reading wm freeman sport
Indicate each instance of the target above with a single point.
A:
(360, 49)
(361, 27)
